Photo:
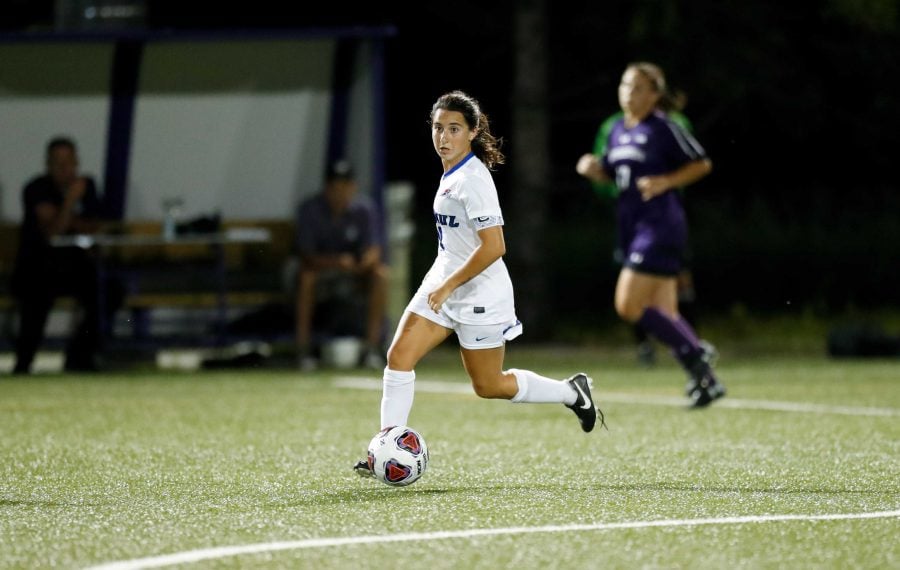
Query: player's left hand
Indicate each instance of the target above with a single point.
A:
(652, 186)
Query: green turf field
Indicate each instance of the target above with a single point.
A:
(796, 468)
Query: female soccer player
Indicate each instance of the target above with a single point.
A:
(468, 290)
(650, 157)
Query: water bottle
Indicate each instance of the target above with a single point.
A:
(171, 212)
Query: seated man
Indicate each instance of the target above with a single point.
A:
(59, 202)
(338, 246)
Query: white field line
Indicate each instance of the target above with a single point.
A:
(622, 398)
(226, 551)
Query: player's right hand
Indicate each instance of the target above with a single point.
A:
(589, 167)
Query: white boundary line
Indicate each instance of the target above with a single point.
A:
(226, 551)
(622, 398)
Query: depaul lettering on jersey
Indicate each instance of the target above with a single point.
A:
(445, 220)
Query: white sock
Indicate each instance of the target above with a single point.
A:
(397, 397)
(537, 389)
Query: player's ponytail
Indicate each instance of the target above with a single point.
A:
(485, 145)
(668, 101)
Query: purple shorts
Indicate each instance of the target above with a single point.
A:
(646, 255)
(652, 235)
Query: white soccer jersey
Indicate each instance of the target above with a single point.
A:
(466, 201)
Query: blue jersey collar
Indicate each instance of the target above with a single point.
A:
(458, 166)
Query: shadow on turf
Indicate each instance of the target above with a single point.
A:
(378, 492)
(365, 495)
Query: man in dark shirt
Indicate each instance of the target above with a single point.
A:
(57, 203)
(340, 256)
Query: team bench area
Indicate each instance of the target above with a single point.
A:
(208, 285)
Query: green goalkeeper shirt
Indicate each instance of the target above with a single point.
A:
(609, 189)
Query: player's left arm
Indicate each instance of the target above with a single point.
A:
(491, 248)
(688, 173)
(684, 150)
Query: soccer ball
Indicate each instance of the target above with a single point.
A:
(398, 455)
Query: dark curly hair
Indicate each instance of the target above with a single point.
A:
(485, 145)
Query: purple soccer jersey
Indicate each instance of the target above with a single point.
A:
(652, 235)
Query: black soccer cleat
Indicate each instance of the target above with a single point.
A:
(703, 395)
(584, 406)
(362, 468)
(703, 388)
(709, 353)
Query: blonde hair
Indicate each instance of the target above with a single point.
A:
(668, 101)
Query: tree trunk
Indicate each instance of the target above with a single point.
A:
(530, 166)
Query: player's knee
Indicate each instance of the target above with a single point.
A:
(306, 279)
(489, 387)
(483, 391)
(381, 273)
(376, 274)
(399, 359)
(628, 310)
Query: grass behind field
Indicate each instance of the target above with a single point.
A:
(119, 467)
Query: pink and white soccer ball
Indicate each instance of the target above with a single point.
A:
(398, 455)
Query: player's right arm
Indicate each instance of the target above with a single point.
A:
(491, 248)
(590, 167)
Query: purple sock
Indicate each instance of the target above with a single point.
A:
(680, 337)
(686, 327)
